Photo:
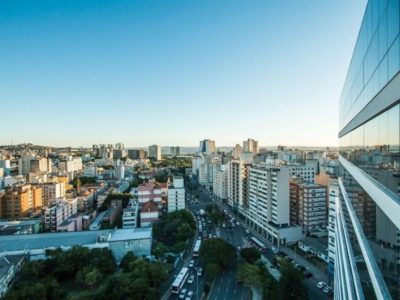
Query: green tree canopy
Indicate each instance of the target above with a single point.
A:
(250, 254)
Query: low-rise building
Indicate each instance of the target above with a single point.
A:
(148, 214)
(130, 215)
(10, 268)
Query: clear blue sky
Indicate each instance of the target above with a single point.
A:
(174, 72)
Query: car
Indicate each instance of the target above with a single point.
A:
(223, 225)
(237, 223)
(327, 289)
(200, 272)
(247, 231)
(182, 294)
(189, 294)
(191, 264)
(210, 236)
(275, 250)
(308, 274)
(321, 284)
(191, 279)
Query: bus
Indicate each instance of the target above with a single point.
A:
(180, 281)
(258, 244)
(196, 248)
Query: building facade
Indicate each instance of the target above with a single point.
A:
(367, 249)
(155, 152)
(176, 194)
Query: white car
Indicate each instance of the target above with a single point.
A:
(189, 295)
(247, 231)
(191, 264)
(191, 279)
(275, 250)
(321, 284)
(327, 289)
(182, 294)
(199, 272)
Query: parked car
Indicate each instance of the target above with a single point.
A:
(327, 289)
(321, 284)
(247, 231)
(189, 295)
(182, 294)
(275, 250)
(191, 264)
(200, 272)
(191, 279)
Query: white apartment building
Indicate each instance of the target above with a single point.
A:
(268, 213)
(130, 215)
(72, 164)
(155, 152)
(119, 170)
(176, 194)
(51, 191)
(40, 165)
(203, 167)
(60, 211)
(305, 172)
(220, 181)
(237, 185)
(237, 151)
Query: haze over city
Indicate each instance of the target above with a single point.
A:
(174, 72)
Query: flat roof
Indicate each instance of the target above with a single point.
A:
(131, 234)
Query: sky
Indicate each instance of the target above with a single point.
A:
(141, 72)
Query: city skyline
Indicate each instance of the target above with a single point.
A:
(145, 73)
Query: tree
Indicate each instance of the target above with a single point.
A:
(126, 260)
(250, 255)
(212, 271)
(93, 277)
(217, 251)
(291, 282)
(217, 217)
(249, 275)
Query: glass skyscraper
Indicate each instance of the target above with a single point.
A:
(367, 210)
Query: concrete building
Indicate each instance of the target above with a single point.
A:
(24, 226)
(251, 146)
(268, 212)
(5, 164)
(308, 205)
(70, 165)
(119, 170)
(237, 151)
(51, 191)
(155, 152)
(24, 165)
(203, 166)
(176, 194)
(40, 165)
(119, 241)
(20, 200)
(59, 211)
(130, 215)
(207, 147)
(152, 191)
(175, 151)
(306, 172)
(220, 182)
(238, 186)
(137, 154)
(148, 214)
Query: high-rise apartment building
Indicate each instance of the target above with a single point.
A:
(220, 181)
(52, 191)
(175, 151)
(137, 154)
(207, 147)
(238, 186)
(367, 249)
(155, 152)
(308, 205)
(251, 146)
(268, 204)
(237, 151)
(130, 215)
(176, 194)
